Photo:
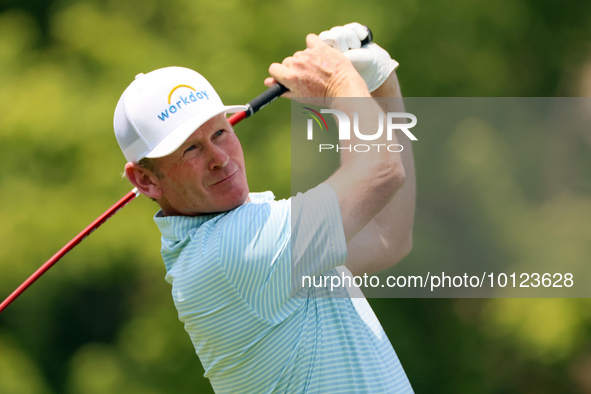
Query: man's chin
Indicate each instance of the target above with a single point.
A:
(210, 205)
(234, 203)
(239, 202)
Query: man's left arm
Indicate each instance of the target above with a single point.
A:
(387, 239)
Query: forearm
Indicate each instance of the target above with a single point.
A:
(388, 237)
(366, 181)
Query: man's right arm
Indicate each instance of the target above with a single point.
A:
(387, 239)
(365, 183)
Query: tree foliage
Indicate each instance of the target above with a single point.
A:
(103, 320)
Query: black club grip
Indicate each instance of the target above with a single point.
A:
(369, 37)
(265, 98)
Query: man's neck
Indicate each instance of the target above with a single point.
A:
(169, 211)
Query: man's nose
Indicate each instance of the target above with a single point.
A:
(217, 158)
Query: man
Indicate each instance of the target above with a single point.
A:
(234, 258)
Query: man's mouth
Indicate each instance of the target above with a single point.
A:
(225, 179)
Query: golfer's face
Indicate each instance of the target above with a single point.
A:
(206, 174)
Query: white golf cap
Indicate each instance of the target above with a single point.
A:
(161, 109)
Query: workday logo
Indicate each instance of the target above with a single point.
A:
(186, 96)
(344, 125)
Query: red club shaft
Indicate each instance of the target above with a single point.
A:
(69, 246)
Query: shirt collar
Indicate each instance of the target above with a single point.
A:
(175, 228)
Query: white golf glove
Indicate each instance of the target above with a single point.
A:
(371, 61)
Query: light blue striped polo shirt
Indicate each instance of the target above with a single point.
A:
(231, 276)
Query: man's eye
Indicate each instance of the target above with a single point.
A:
(218, 133)
(192, 147)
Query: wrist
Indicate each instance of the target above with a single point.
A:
(351, 85)
(390, 87)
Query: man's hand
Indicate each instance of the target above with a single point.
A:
(371, 61)
(318, 71)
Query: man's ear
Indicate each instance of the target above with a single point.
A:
(144, 180)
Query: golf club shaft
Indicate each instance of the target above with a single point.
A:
(69, 246)
(254, 106)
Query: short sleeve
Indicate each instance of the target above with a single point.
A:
(317, 236)
(265, 247)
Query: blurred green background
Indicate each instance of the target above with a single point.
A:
(103, 321)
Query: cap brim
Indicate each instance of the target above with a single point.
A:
(179, 135)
